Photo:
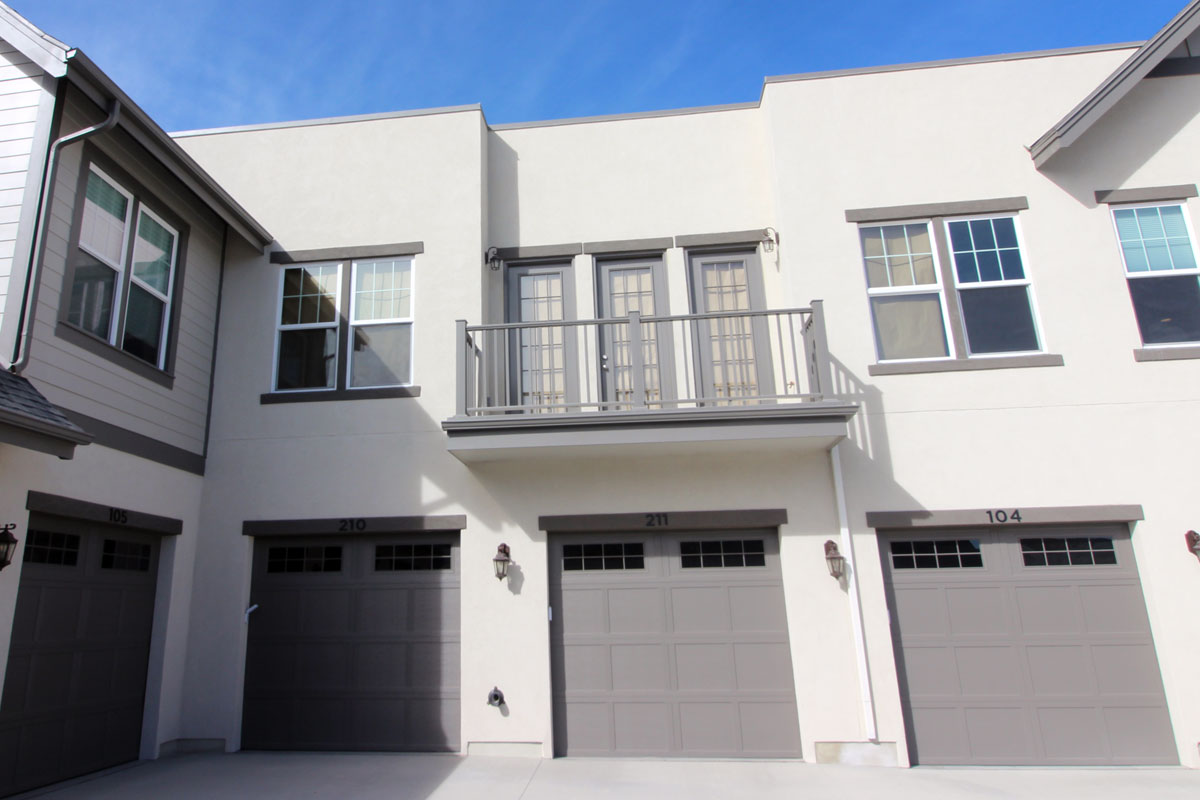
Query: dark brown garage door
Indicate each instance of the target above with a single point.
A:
(354, 645)
(1027, 646)
(671, 645)
(76, 679)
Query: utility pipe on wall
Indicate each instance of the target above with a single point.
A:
(24, 339)
(866, 693)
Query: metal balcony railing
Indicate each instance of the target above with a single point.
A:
(635, 363)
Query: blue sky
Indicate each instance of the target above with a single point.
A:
(209, 63)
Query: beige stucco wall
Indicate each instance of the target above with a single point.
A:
(1102, 429)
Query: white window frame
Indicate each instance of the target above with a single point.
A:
(412, 340)
(1187, 222)
(915, 289)
(167, 304)
(280, 327)
(1027, 282)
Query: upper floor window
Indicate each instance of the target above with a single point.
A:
(1162, 271)
(122, 281)
(370, 306)
(989, 310)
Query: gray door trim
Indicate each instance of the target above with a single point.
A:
(350, 526)
(658, 521)
(663, 331)
(512, 311)
(59, 506)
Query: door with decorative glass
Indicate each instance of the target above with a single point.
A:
(732, 350)
(541, 357)
(627, 287)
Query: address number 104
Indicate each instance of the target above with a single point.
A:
(1001, 516)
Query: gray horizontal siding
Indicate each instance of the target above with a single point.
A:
(20, 94)
(78, 380)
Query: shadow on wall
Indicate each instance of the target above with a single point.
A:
(1117, 146)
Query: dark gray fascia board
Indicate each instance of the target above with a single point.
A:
(1148, 194)
(23, 437)
(978, 517)
(1117, 85)
(311, 123)
(136, 444)
(35, 44)
(1166, 353)
(94, 83)
(628, 246)
(43, 427)
(102, 349)
(656, 521)
(539, 251)
(715, 239)
(56, 505)
(347, 253)
(435, 523)
(327, 395)
(966, 364)
(995, 205)
(948, 62)
(827, 409)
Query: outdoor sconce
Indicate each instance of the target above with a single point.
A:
(492, 257)
(8, 544)
(1192, 538)
(834, 559)
(770, 239)
(500, 562)
(496, 697)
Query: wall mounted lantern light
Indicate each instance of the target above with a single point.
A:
(8, 544)
(1192, 538)
(500, 562)
(770, 239)
(492, 257)
(834, 559)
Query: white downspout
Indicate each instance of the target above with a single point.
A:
(866, 695)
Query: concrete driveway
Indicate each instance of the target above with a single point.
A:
(367, 776)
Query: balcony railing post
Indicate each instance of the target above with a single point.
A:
(823, 378)
(637, 369)
(462, 346)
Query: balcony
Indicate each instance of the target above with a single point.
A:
(756, 380)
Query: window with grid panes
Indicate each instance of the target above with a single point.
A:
(1161, 270)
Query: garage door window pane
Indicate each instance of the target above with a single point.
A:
(1075, 551)
(133, 556)
(52, 548)
(610, 556)
(936, 554)
(316, 558)
(411, 557)
(722, 553)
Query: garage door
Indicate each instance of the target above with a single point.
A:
(76, 679)
(671, 645)
(354, 645)
(1026, 646)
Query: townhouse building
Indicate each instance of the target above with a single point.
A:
(851, 424)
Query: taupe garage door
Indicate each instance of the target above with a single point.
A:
(76, 679)
(671, 645)
(1027, 646)
(354, 645)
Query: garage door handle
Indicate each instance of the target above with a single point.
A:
(250, 611)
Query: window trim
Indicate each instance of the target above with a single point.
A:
(344, 298)
(960, 358)
(1150, 351)
(140, 199)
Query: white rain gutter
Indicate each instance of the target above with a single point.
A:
(866, 694)
(32, 275)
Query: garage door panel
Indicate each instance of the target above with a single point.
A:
(320, 721)
(762, 666)
(1072, 657)
(58, 612)
(432, 723)
(757, 608)
(321, 665)
(643, 728)
(434, 610)
(1060, 670)
(376, 720)
(640, 667)
(700, 609)
(433, 666)
(584, 728)
(705, 667)
(381, 611)
(584, 610)
(588, 666)
(993, 670)
(380, 665)
(977, 611)
(325, 612)
(709, 728)
(103, 613)
(635, 610)
(769, 728)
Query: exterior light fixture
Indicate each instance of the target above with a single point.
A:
(834, 559)
(500, 562)
(770, 239)
(492, 257)
(8, 544)
(1191, 537)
